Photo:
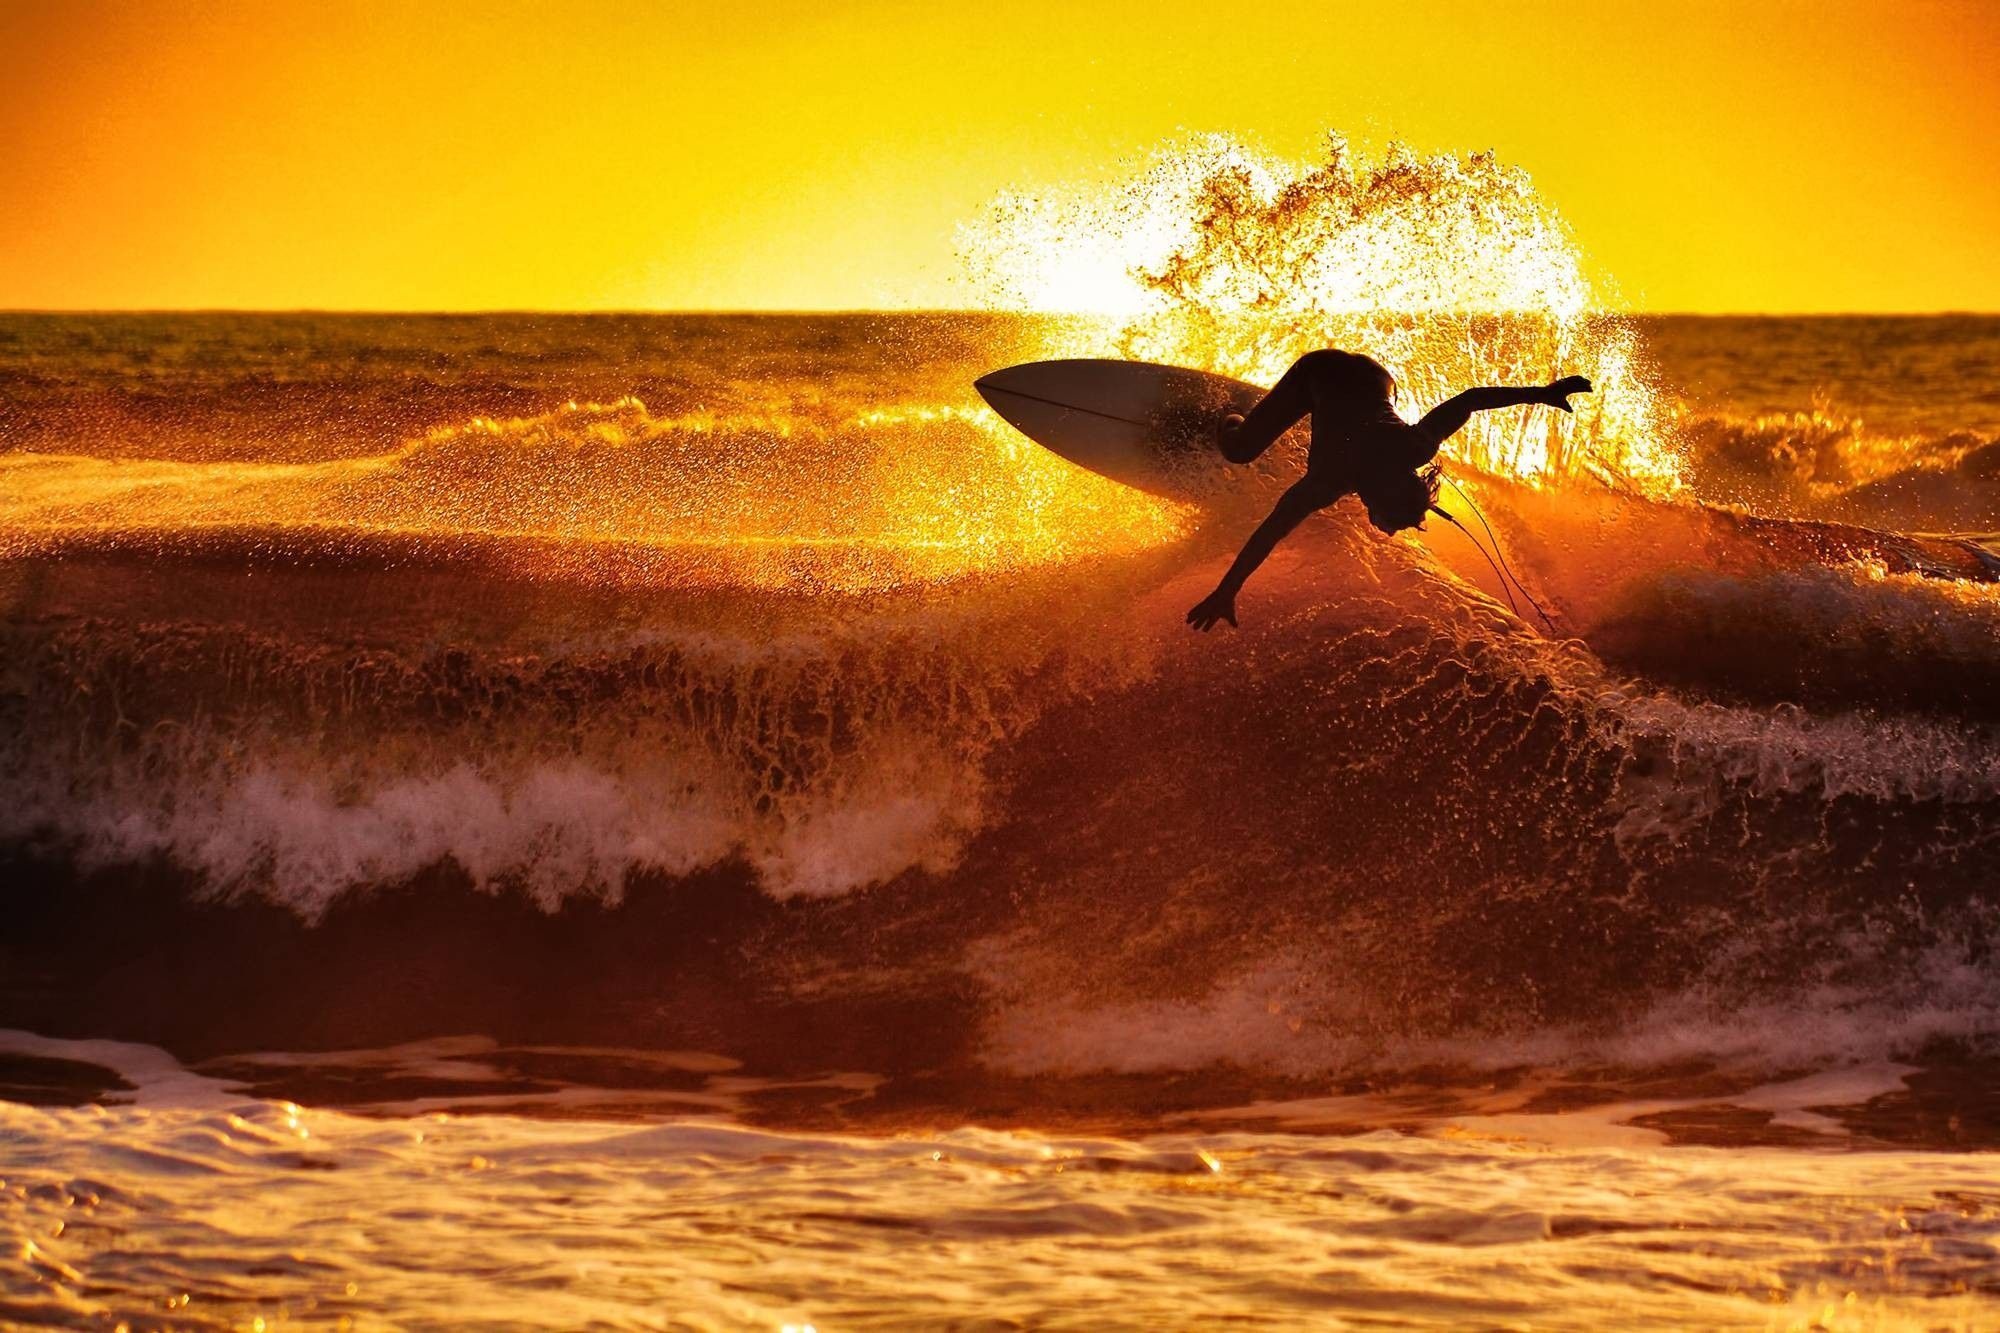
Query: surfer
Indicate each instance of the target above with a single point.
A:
(1360, 446)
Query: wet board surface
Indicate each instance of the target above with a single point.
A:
(1152, 427)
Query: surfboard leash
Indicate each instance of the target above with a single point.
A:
(1501, 569)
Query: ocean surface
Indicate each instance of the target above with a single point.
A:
(688, 821)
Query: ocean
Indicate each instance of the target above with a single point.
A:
(686, 821)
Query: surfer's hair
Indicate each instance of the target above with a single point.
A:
(1398, 500)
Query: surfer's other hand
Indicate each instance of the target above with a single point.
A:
(1561, 389)
(1217, 606)
(1229, 426)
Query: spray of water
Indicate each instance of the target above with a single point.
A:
(1451, 270)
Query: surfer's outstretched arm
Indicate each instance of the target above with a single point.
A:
(1305, 498)
(1243, 438)
(1443, 421)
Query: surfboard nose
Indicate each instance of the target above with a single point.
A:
(1022, 379)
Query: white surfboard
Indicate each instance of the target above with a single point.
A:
(1149, 426)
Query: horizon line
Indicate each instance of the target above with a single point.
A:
(801, 312)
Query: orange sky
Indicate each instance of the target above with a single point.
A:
(1798, 156)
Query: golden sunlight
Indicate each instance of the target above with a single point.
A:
(389, 154)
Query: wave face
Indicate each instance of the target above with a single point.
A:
(795, 711)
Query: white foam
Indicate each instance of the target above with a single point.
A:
(303, 832)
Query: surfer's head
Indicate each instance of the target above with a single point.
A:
(1398, 500)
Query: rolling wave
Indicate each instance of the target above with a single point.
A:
(1386, 822)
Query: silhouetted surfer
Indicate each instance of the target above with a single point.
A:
(1359, 447)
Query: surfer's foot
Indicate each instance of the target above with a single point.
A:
(1560, 390)
(1217, 606)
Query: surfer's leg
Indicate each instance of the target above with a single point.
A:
(1273, 415)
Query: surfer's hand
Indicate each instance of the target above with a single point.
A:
(1217, 606)
(1560, 390)
(1228, 427)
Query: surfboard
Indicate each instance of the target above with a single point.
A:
(1150, 426)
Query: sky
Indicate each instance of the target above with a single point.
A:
(1778, 156)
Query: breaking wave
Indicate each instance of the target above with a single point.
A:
(1383, 818)
(817, 720)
